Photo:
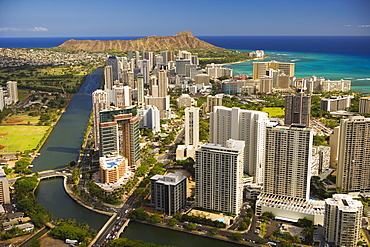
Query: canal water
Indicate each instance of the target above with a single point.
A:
(65, 140)
(51, 194)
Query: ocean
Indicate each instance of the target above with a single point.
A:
(332, 57)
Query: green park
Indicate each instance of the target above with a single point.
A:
(19, 138)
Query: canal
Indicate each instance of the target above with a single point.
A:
(65, 140)
(62, 147)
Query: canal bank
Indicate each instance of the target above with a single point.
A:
(173, 237)
(62, 147)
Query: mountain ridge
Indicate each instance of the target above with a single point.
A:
(181, 40)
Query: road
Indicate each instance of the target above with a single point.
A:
(109, 233)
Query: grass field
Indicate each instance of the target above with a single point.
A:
(20, 138)
(274, 111)
(21, 119)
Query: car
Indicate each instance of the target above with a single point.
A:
(223, 235)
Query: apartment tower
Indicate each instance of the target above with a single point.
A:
(249, 126)
(218, 176)
(297, 109)
(287, 163)
(354, 155)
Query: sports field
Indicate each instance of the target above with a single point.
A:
(274, 111)
(20, 137)
(20, 119)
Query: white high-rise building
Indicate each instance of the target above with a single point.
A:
(99, 102)
(249, 126)
(218, 176)
(122, 96)
(12, 91)
(191, 126)
(353, 155)
(288, 161)
(342, 220)
(150, 118)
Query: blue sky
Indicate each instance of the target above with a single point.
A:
(94, 18)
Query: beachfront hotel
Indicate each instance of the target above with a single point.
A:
(342, 220)
(218, 176)
(261, 68)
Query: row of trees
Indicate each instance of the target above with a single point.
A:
(69, 228)
(199, 220)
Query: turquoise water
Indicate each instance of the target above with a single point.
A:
(331, 66)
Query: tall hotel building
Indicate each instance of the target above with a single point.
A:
(100, 102)
(288, 159)
(354, 155)
(249, 126)
(342, 220)
(191, 126)
(191, 130)
(162, 83)
(218, 176)
(119, 134)
(260, 68)
(297, 109)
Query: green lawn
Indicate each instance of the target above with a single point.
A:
(274, 111)
(21, 138)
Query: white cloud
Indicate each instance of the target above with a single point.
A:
(364, 26)
(5, 29)
(347, 25)
(39, 29)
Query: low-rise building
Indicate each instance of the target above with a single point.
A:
(291, 209)
(113, 168)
